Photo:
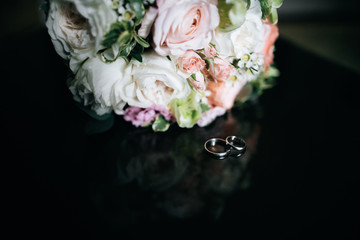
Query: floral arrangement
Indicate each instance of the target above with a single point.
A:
(165, 61)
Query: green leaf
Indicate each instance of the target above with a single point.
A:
(204, 107)
(141, 41)
(277, 3)
(112, 36)
(273, 16)
(124, 38)
(193, 76)
(232, 13)
(160, 124)
(209, 64)
(138, 7)
(126, 50)
(137, 52)
(136, 55)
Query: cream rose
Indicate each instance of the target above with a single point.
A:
(184, 25)
(154, 81)
(94, 84)
(77, 28)
(249, 37)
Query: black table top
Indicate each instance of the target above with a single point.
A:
(298, 178)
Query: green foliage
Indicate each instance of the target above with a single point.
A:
(269, 9)
(232, 13)
(160, 124)
(122, 36)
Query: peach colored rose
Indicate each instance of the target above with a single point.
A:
(199, 83)
(209, 51)
(183, 25)
(223, 94)
(190, 62)
(222, 70)
(271, 34)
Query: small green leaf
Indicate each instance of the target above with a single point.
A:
(141, 41)
(137, 52)
(160, 124)
(126, 50)
(209, 63)
(124, 38)
(273, 17)
(136, 55)
(193, 76)
(112, 36)
(138, 7)
(201, 55)
(277, 3)
(204, 107)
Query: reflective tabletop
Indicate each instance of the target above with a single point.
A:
(73, 174)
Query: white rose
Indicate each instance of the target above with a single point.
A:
(154, 81)
(94, 84)
(77, 28)
(249, 37)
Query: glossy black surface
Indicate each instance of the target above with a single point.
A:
(80, 177)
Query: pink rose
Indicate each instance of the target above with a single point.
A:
(222, 70)
(271, 34)
(183, 25)
(223, 94)
(190, 62)
(199, 83)
(209, 51)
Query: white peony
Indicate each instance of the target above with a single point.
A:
(248, 38)
(154, 81)
(94, 84)
(77, 28)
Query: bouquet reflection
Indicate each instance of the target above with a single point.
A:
(169, 175)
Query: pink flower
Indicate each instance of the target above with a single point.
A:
(222, 70)
(143, 117)
(147, 22)
(271, 34)
(190, 62)
(183, 25)
(209, 51)
(223, 94)
(210, 116)
(199, 83)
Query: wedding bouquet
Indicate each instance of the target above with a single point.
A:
(164, 61)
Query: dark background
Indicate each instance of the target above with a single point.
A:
(305, 181)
